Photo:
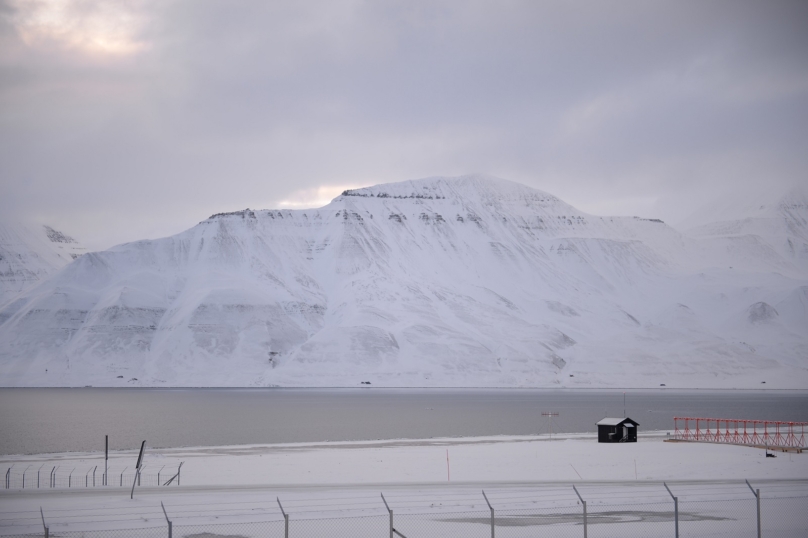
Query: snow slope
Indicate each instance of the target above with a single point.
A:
(31, 253)
(779, 222)
(469, 281)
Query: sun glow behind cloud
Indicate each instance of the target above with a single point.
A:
(108, 28)
(315, 197)
(141, 112)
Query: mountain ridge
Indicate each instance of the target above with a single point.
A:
(783, 225)
(441, 281)
(29, 253)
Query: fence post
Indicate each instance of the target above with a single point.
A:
(675, 509)
(124, 470)
(8, 475)
(167, 520)
(492, 513)
(41, 513)
(756, 493)
(583, 502)
(177, 476)
(70, 477)
(94, 468)
(138, 467)
(285, 519)
(392, 529)
(135, 481)
(53, 477)
(389, 512)
(23, 476)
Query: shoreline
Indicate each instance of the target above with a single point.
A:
(381, 387)
(239, 484)
(564, 457)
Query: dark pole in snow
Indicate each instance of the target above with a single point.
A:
(583, 502)
(136, 478)
(493, 522)
(756, 493)
(285, 519)
(390, 513)
(167, 520)
(41, 513)
(675, 509)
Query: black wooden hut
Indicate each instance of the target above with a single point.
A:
(617, 430)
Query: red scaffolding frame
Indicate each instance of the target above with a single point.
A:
(772, 433)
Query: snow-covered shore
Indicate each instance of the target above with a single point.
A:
(239, 484)
(564, 458)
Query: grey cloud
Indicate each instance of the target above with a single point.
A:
(239, 104)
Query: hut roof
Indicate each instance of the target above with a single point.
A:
(617, 422)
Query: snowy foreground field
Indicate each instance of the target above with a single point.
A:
(333, 489)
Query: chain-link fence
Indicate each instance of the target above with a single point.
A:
(88, 477)
(718, 509)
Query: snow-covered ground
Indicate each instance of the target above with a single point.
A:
(329, 480)
(469, 281)
(565, 457)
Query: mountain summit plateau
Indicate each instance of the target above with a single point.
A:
(468, 281)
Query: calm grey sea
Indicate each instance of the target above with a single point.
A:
(58, 420)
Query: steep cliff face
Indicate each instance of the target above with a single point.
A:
(30, 253)
(469, 281)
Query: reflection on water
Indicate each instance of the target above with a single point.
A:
(58, 420)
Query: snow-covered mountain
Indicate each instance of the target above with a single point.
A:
(469, 281)
(779, 222)
(29, 253)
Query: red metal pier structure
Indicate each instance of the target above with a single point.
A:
(771, 433)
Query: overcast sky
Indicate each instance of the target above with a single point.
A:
(121, 120)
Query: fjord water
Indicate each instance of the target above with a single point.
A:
(59, 420)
